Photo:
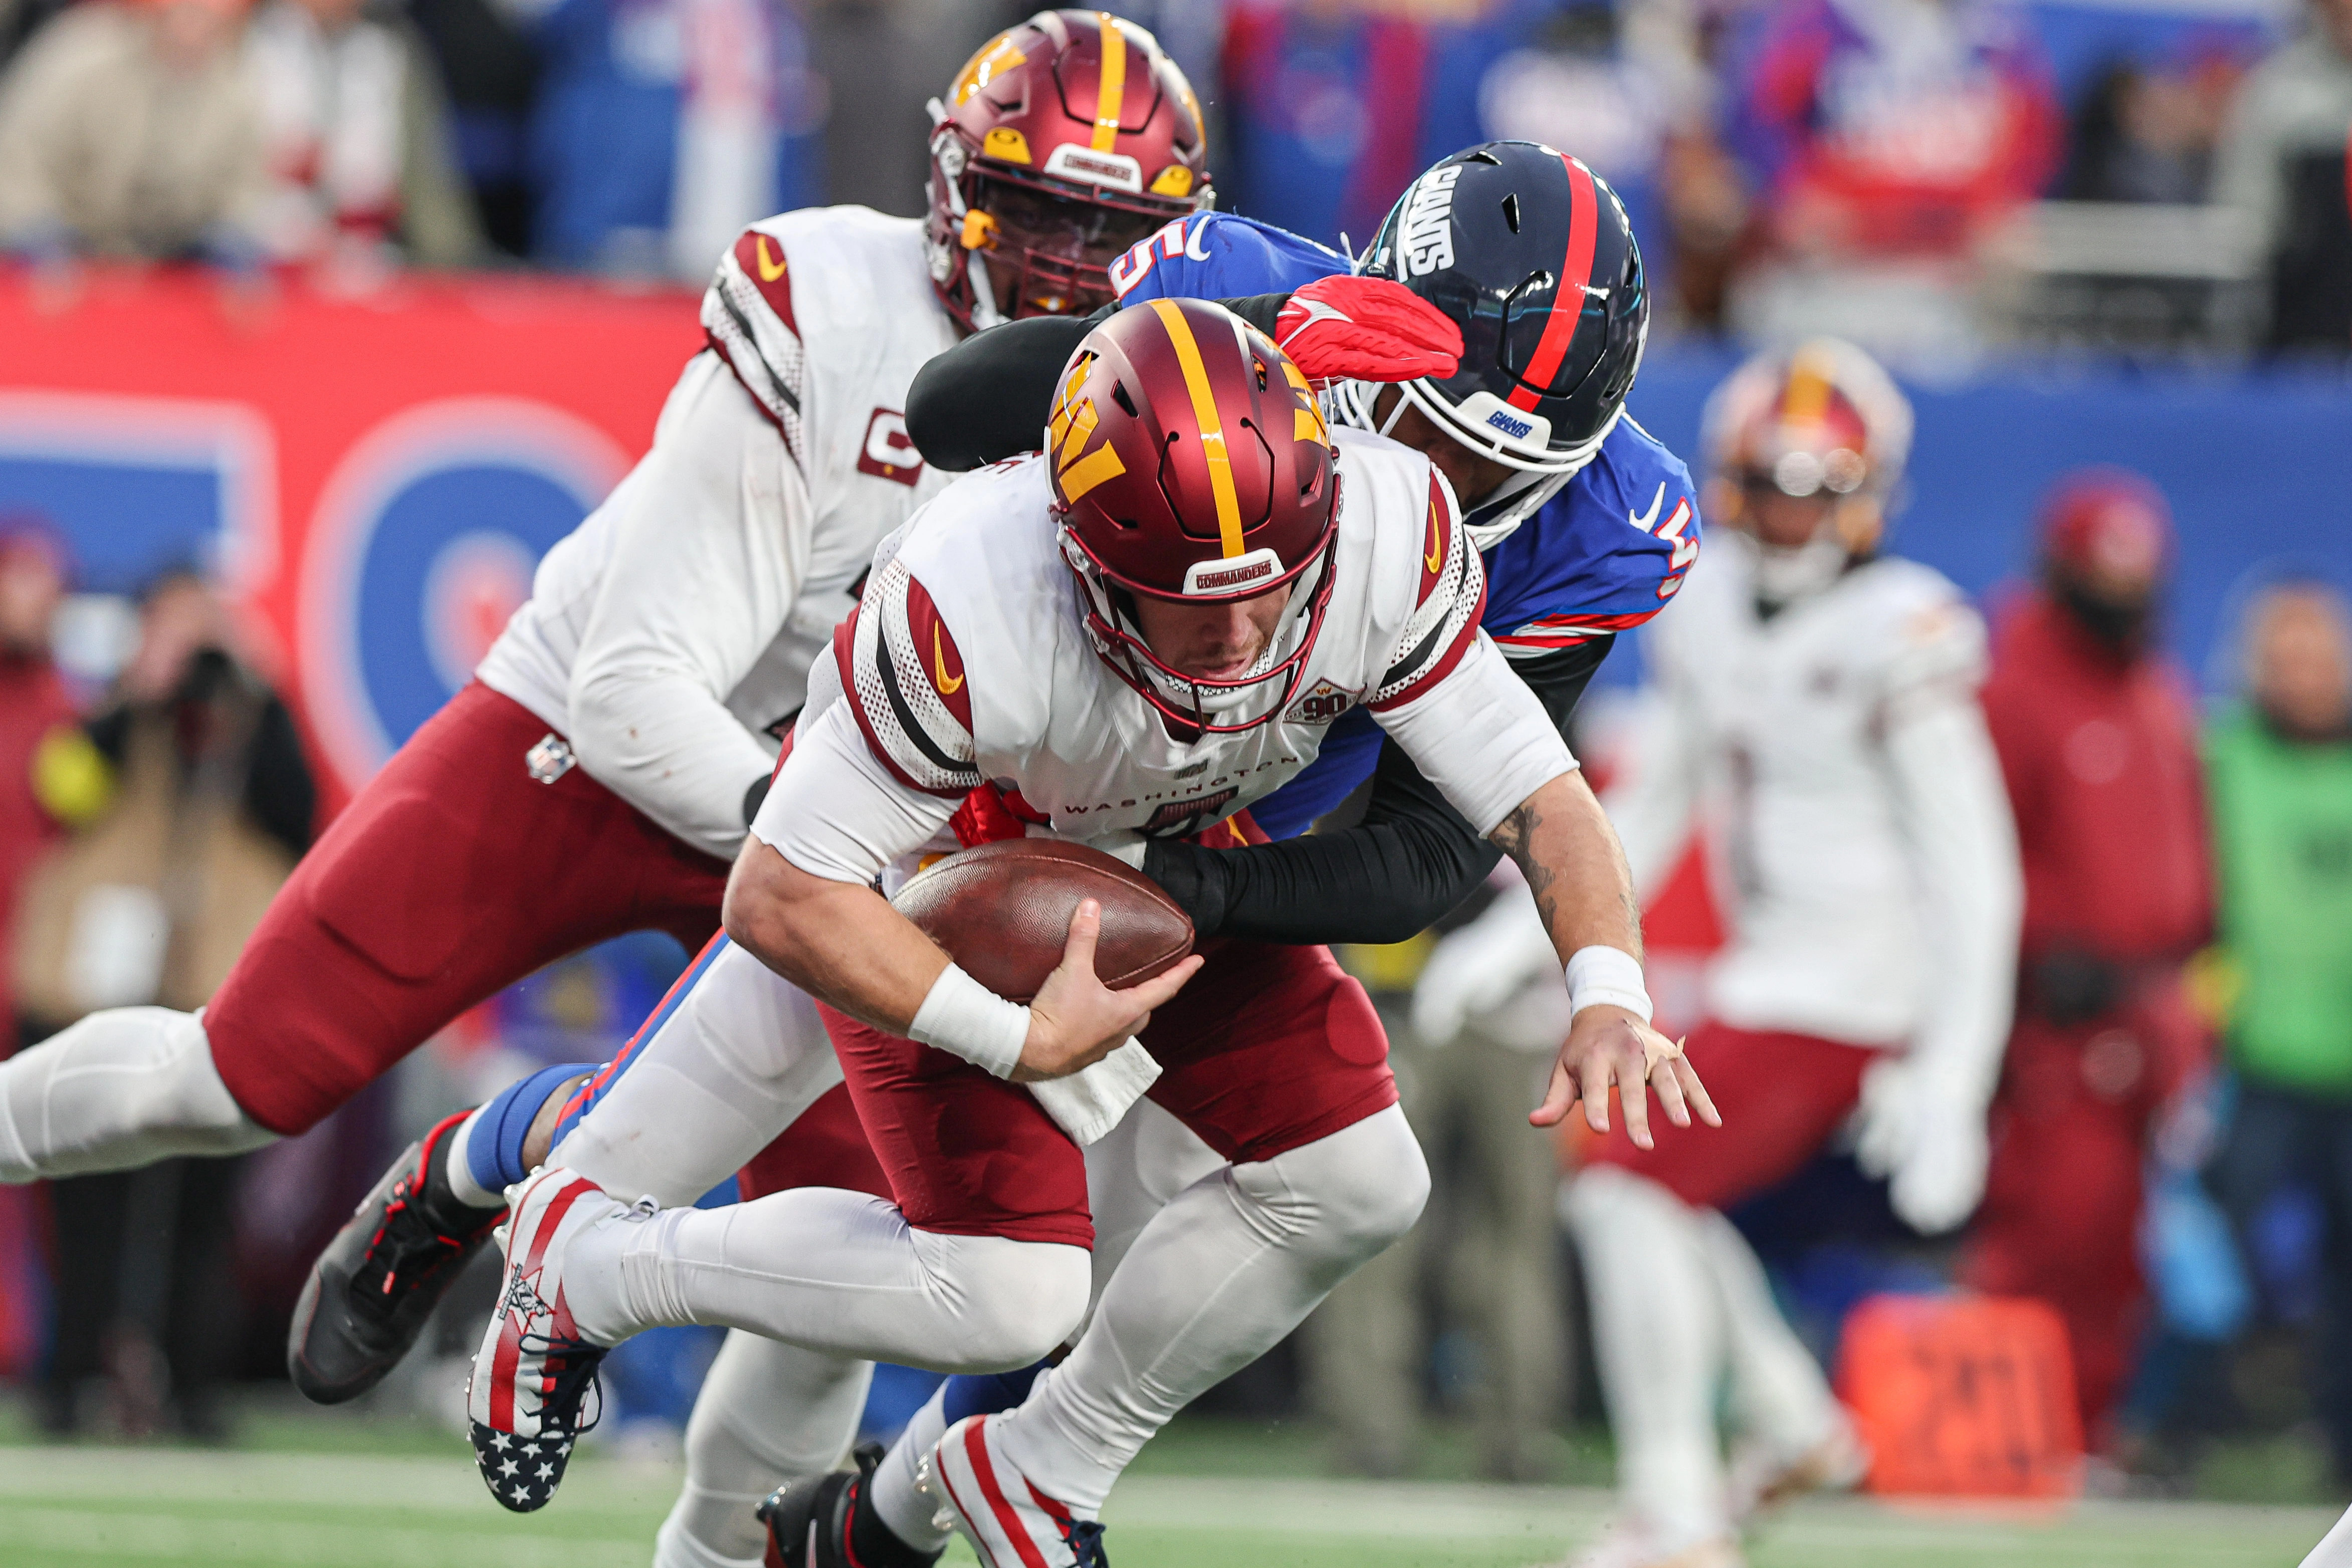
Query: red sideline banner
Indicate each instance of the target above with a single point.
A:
(373, 478)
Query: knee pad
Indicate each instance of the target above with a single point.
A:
(1022, 1300)
(122, 1088)
(1351, 1193)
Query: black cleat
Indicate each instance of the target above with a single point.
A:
(811, 1521)
(371, 1290)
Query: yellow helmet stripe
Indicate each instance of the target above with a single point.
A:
(1806, 399)
(1114, 82)
(1213, 429)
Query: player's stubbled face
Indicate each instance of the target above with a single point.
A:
(1473, 478)
(1215, 642)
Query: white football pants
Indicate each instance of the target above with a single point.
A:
(1680, 1303)
(122, 1088)
(1222, 1262)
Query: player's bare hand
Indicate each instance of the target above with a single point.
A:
(1077, 1020)
(1608, 1045)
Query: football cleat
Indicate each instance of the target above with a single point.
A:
(1628, 1544)
(535, 1373)
(372, 1289)
(809, 1521)
(1763, 1478)
(1010, 1523)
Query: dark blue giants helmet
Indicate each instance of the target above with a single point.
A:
(1528, 251)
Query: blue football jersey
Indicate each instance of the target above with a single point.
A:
(1604, 555)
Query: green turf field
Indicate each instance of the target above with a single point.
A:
(76, 1506)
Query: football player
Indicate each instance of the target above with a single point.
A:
(1223, 577)
(1825, 692)
(615, 741)
(1612, 531)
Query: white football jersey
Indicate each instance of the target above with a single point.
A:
(671, 633)
(969, 661)
(1837, 857)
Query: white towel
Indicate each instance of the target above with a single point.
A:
(1090, 1103)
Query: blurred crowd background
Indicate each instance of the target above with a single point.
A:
(2082, 227)
(1926, 177)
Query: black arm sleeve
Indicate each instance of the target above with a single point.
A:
(1411, 859)
(986, 399)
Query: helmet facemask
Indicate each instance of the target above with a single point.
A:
(1229, 706)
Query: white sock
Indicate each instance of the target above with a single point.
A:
(1779, 1396)
(912, 1516)
(829, 1270)
(462, 1185)
(1213, 1281)
(739, 1059)
(768, 1414)
(1658, 1336)
(122, 1088)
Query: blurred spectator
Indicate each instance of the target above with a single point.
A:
(663, 127)
(491, 70)
(45, 781)
(2097, 736)
(2282, 164)
(1333, 106)
(130, 128)
(2146, 132)
(1489, 1243)
(1887, 140)
(358, 137)
(2280, 770)
(38, 732)
(210, 804)
(890, 59)
(1575, 85)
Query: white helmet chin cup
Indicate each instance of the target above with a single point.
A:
(1784, 575)
(1476, 424)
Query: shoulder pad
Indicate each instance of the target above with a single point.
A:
(906, 683)
(1927, 635)
(746, 317)
(1444, 620)
(1220, 255)
(1604, 556)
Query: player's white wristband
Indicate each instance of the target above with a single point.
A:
(1606, 977)
(964, 1018)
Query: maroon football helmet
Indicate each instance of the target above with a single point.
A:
(1062, 143)
(1190, 462)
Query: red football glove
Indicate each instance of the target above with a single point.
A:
(1344, 327)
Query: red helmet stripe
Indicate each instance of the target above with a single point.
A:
(1575, 273)
(1111, 85)
(1212, 428)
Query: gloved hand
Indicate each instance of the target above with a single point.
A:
(1479, 967)
(1344, 327)
(1925, 1132)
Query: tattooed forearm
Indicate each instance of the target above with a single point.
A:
(1516, 838)
(1562, 843)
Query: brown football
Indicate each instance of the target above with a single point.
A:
(1003, 911)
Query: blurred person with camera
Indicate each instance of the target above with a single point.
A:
(130, 128)
(2097, 736)
(2279, 769)
(1816, 699)
(198, 802)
